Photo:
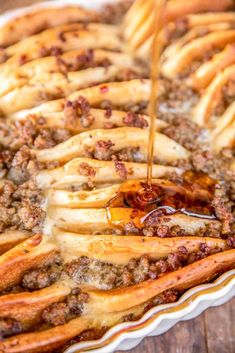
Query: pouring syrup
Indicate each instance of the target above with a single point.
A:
(156, 51)
(137, 200)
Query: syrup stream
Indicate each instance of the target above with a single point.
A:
(154, 75)
(138, 201)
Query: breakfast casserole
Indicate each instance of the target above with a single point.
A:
(80, 249)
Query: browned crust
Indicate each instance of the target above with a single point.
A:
(10, 239)
(15, 262)
(115, 302)
(196, 273)
(46, 340)
(27, 307)
(121, 249)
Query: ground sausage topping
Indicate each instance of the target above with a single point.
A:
(9, 327)
(20, 206)
(42, 277)
(59, 313)
(107, 276)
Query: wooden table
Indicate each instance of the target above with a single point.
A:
(211, 332)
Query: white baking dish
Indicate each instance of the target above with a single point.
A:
(161, 318)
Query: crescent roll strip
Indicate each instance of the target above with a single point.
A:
(139, 20)
(211, 96)
(67, 62)
(96, 198)
(82, 220)
(195, 50)
(182, 279)
(117, 93)
(52, 338)
(225, 139)
(11, 238)
(35, 21)
(27, 306)
(98, 120)
(194, 33)
(177, 8)
(52, 86)
(32, 252)
(68, 37)
(191, 275)
(165, 149)
(144, 50)
(101, 172)
(117, 250)
(132, 22)
(116, 302)
(138, 28)
(225, 120)
(121, 249)
(61, 35)
(47, 340)
(203, 19)
(144, 30)
(207, 71)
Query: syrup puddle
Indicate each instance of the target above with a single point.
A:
(135, 202)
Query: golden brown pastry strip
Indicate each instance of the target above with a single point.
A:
(36, 21)
(195, 50)
(38, 342)
(82, 220)
(52, 86)
(138, 28)
(65, 38)
(121, 249)
(225, 120)
(82, 170)
(203, 19)
(10, 238)
(98, 120)
(165, 149)
(63, 63)
(121, 94)
(27, 306)
(55, 337)
(192, 34)
(30, 253)
(196, 273)
(118, 303)
(226, 139)
(212, 96)
(207, 71)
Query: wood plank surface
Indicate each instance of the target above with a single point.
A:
(211, 332)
